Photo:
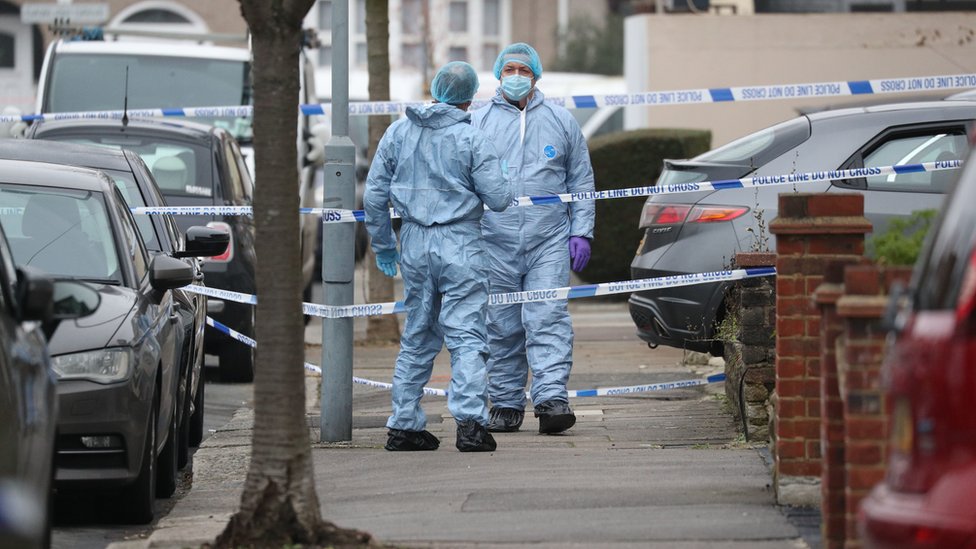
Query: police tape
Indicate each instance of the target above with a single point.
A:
(511, 298)
(601, 391)
(332, 215)
(775, 92)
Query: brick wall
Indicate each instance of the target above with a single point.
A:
(832, 476)
(751, 353)
(860, 352)
(812, 231)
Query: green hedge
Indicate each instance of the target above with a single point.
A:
(623, 160)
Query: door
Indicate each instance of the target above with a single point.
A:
(17, 86)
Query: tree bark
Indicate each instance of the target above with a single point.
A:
(384, 328)
(279, 505)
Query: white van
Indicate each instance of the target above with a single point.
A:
(81, 76)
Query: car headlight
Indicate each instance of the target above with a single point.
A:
(101, 366)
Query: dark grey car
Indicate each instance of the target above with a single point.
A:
(28, 402)
(117, 367)
(702, 231)
(160, 235)
(194, 165)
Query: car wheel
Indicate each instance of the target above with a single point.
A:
(236, 358)
(167, 463)
(137, 500)
(196, 420)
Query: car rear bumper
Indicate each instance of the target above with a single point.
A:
(90, 409)
(682, 317)
(889, 519)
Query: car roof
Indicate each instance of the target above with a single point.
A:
(961, 105)
(46, 174)
(62, 152)
(159, 49)
(150, 125)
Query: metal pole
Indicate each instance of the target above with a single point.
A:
(337, 244)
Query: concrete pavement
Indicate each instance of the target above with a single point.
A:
(664, 469)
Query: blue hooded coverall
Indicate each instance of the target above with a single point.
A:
(528, 247)
(439, 172)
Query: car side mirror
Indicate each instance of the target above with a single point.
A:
(72, 299)
(204, 242)
(34, 292)
(168, 273)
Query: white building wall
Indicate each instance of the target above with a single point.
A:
(670, 52)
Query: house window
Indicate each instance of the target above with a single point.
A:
(413, 55)
(411, 17)
(458, 17)
(457, 53)
(156, 16)
(492, 21)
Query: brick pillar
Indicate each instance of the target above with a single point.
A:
(811, 231)
(832, 475)
(860, 351)
(751, 353)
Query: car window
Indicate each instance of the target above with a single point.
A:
(760, 147)
(131, 244)
(180, 169)
(916, 149)
(950, 247)
(65, 232)
(126, 184)
(235, 179)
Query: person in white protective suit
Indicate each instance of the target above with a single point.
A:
(541, 147)
(439, 172)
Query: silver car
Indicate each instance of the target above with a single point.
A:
(701, 231)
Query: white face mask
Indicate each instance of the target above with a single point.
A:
(516, 86)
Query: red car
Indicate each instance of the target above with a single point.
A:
(928, 498)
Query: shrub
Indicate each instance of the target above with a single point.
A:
(902, 240)
(622, 160)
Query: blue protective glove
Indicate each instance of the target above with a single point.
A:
(387, 260)
(579, 252)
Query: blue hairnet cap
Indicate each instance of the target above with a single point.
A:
(520, 52)
(455, 83)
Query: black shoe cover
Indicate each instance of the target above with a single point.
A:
(554, 416)
(473, 437)
(411, 441)
(505, 420)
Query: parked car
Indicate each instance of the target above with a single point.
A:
(193, 165)
(160, 235)
(118, 369)
(701, 231)
(31, 305)
(90, 75)
(927, 497)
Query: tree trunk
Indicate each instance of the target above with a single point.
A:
(380, 287)
(279, 505)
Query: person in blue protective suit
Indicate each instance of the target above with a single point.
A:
(532, 248)
(439, 172)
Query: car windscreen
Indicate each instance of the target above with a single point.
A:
(180, 168)
(740, 157)
(65, 232)
(81, 82)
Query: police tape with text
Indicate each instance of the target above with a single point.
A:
(773, 92)
(333, 215)
(602, 391)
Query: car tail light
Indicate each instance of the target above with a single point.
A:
(229, 253)
(967, 291)
(670, 214)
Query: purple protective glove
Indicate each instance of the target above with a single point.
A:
(579, 252)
